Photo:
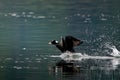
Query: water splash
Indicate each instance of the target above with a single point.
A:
(110, 49)
(73, 56)
(80, 56)
(111, 61)
(114, 51)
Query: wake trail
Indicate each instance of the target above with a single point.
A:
(80, 56)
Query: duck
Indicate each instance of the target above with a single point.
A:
(66, 44)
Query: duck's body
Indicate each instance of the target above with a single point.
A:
(66, 44)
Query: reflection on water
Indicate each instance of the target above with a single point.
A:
(97, 68)
(103, 66)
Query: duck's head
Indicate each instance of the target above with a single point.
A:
(53, 42)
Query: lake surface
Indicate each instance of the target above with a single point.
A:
(26, 27)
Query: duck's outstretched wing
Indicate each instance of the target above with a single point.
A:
(72, 41)
(76, 42)
(68, 43)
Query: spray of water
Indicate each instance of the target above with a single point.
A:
(114, 57)
(79, 56)
(73, 56)
(111, 50)
(114, 51)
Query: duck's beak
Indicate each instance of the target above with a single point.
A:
(49, 43)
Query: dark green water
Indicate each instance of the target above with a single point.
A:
(26, 27)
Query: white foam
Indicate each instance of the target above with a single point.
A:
(115, 52)
(79, 56)
(54, 56)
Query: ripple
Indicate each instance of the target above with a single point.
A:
(13, 14)
(24, 15)
(27, 58)
(1, 66)
(24, 67)
(41, 17)
(31, 12)
(17, 67)
(103, 19)
(38, 59)
(8, 59)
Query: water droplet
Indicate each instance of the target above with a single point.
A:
(23, 48)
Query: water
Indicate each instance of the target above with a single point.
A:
(26, 27)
